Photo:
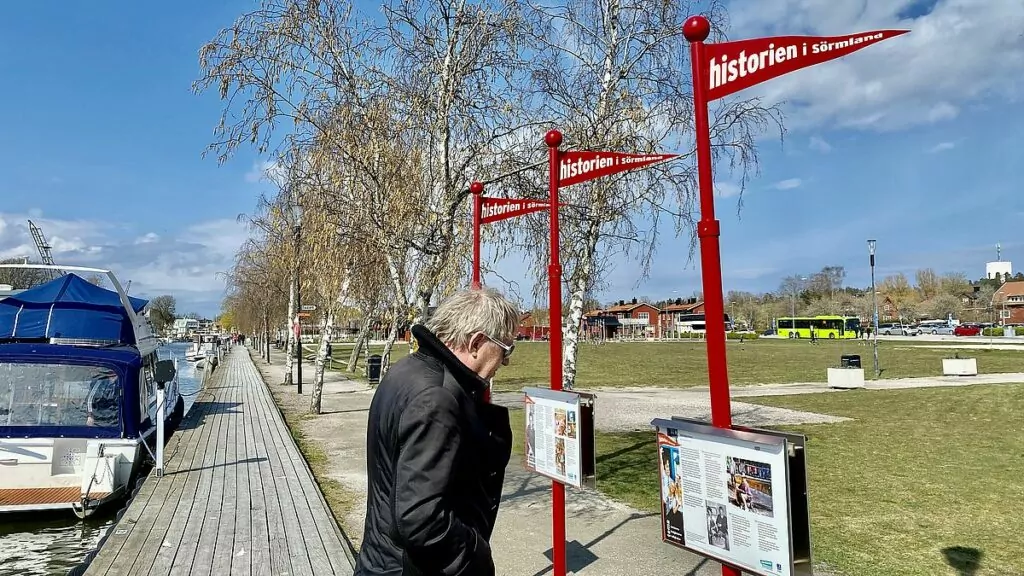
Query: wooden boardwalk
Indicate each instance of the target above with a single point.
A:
(236, 496)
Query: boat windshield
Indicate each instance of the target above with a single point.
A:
(58, 395)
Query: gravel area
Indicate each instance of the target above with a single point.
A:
(633, 409)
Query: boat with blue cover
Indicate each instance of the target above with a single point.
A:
(78, 396)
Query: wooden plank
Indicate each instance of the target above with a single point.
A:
(202, 562)
(152, 546)
(198, 512)
(242, 555)
(191, 470)
(225, 541)
(280, 455)
(280, 559)
(297, 472)
(237, 496)
(132, 524)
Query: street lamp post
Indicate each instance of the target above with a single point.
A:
(874, 302)
(297, 229)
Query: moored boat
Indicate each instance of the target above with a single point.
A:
(78, 406)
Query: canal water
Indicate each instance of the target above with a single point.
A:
(51, 544)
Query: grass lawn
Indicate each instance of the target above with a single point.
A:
(916, 476)
(684, 364)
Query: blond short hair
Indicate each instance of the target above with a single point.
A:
(467, 312)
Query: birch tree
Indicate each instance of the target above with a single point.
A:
(271, 225)
(449, 68)
(612, 75)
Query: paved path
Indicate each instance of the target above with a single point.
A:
(236, 496)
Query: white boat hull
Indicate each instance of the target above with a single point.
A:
(65, 473)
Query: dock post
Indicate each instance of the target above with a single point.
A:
(159, 429)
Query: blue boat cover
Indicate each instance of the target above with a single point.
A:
(68, 307)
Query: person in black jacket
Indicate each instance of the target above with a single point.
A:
(436, 451)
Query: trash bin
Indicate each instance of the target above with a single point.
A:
(373, 365)
(850, 360)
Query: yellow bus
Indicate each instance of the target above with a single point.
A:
(831, 327)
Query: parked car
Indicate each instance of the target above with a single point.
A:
(943, 330)
(898, 329)
(967, 330)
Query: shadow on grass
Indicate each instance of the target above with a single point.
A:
(965, 561)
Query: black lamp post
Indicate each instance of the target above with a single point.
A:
(874, 301)
(297, 229)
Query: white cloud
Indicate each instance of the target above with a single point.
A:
(727, 189)
(941, 147)
(188, 265)
(963, 51)
(788, 184)
(264, 171)
(819, 144)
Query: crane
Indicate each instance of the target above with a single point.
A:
(43, 247)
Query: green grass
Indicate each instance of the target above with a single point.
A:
(339, 499)
(684, 364)
(915, 473)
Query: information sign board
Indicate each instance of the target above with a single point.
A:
(726, 495)
(560, 436)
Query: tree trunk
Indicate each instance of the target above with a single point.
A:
(266, 334)
(326, 333)
(290, 342)
(577, 293)
(353, 359)
(389, 344)
(423, 297)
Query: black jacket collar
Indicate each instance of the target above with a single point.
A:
(430, 346)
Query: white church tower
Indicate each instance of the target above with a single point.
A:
(1004, 269)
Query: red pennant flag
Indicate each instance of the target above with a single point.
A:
(495, 209)
(733, 66)
(580, 166)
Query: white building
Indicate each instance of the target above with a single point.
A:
(184, 326)
(1003, 268)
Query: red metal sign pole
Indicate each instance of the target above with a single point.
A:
(554, 139)
(696, 30)
(477, 190)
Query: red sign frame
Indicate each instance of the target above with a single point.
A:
(707, 88)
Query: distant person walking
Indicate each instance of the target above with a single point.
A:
(435, 450)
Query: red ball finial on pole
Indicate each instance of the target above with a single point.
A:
(476, 187)
(696, 29)
(553, 139)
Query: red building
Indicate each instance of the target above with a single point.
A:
(532, 328)
(672, 316)
(1008, 302)
(629, 320)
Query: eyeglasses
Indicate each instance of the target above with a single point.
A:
(508, 348)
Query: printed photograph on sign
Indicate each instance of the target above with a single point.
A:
(718, 525)
(531, 438)
(750, 486)
(672, 494)
(560, 456)
(570, 424)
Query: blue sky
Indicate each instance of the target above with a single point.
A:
(913, 142)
